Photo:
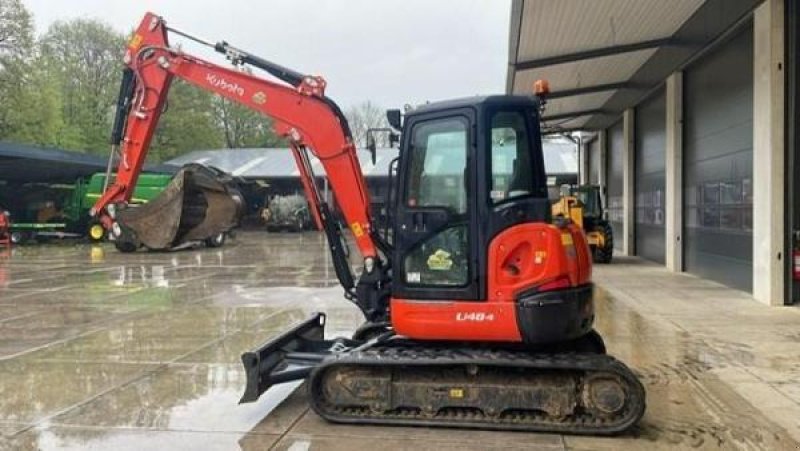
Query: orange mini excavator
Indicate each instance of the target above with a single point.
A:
(478, 311)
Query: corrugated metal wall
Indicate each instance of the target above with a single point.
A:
(616, 142)
(718, 163)
(649, 179)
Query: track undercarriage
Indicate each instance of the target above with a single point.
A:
(401, 382)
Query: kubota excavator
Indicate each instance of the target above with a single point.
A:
(478, 311)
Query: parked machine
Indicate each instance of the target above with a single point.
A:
(287, 212)
(478, 311)
(584, 207)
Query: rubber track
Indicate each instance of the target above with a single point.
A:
(410, 356)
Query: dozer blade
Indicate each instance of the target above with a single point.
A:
(199, 203)
(290, 356)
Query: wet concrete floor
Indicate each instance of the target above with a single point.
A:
(141, 351)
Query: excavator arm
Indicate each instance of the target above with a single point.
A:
(303, 115)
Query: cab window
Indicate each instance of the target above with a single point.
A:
(438, 165)
(510, 162)
(437, 179)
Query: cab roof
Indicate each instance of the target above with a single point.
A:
(476, 102)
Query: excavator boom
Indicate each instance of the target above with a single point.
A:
(305, 116)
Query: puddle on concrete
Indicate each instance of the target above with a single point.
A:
(113, 317)
(192, 404)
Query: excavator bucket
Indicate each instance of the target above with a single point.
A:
(199, 204)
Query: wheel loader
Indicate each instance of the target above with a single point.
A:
(583, 206)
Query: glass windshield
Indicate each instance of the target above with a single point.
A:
(511, 170)
(438, 163)
(589, 198)
(437, 179)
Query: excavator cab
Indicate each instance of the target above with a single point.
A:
(468, 169)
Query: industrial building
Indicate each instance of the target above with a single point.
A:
(693, 105)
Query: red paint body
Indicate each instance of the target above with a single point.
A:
(520, 258)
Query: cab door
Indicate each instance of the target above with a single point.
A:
(435, 233)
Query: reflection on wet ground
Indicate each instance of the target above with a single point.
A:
(111, 351)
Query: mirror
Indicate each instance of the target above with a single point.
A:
(395, 119)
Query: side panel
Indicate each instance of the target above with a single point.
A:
(649, 177)
(521, 258)
(718, 164)
(455, 320)
(616, 142)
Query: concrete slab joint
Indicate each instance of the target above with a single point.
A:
(768, 153)
(674, 173)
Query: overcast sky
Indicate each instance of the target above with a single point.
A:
(389, 51)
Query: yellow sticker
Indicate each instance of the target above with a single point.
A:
(357, 230)
(136, 41)
(440, 261)
(566, 239)
(539, 257)
(457, 393)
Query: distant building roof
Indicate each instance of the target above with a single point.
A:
(560, 158)
(271, 162)
(20, 163)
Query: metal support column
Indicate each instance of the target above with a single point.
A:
(769, 171)
(628, 194)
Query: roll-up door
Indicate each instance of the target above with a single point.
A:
(616, 142)
(718, 164)
(649, 177)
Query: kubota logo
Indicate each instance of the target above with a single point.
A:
(225, 85)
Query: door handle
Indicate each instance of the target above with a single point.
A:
(418, 222)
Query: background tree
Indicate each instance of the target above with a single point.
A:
(243, 127)
(61, 90)
(16, 48)
(364, 116)
(32, 114)
(84, 58)
(186, 125)
(16, 30)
